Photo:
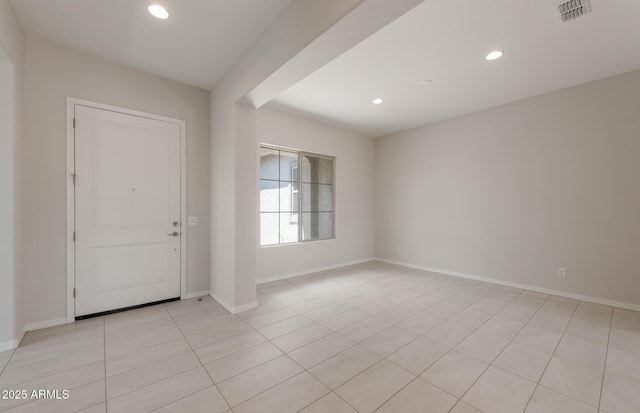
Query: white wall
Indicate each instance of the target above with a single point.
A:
(515, 192)
(354, 195)
(12, 47)
(53, 73)
(7, 198)
(234, 226)
(306, 36)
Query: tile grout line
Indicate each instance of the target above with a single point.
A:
(260, 364)
(476, 328)
(40, 346)
(459, 399)
(104, 348)
(444, 320)
(311, 374)
(51, 358)
(306, 344)
(374, 279)
(606, 355)
(335, 315)
(573, 313)
(151, 384)
(219, 341)
(174, 375)
(128, 337)
(4, 368)
(166, 378)
(304, 370)
(53, 374)
(201, 366)
(510, 341)
(146, 364)
(385, 358)
(417, 377)
(418, 337)
(31, 402)
(143, 348)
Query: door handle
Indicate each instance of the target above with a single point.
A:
(174, 234)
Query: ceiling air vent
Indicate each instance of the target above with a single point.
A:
(572, 9)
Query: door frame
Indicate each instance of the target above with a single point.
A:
(71, 251)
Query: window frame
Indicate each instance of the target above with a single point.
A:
(300, 220)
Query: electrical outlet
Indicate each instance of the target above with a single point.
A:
(192, 221)
(562, 272)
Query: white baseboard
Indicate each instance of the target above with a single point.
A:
(221, 302)
(10, 345)
(246, 307)
(46, 324)
(566, 294)
(17, 341)
(312, 270)
(232, 309)
(196, 294)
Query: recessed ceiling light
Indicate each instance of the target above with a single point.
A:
(496, 54)
(158, 11)
(377, 101)
(424, 82)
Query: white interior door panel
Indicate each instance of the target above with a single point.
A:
(127, 206)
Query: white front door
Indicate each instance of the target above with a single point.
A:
(127, 205)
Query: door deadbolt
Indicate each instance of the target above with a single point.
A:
(175, 223)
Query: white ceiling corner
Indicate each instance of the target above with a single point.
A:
(446, 41)
(199, 42)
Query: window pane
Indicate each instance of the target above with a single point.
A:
(288, 197)
(317, 197)
(325, 225)
(285, 205)
(269, 228)
(306, 168)
(325, 171)
(317, 170)
(269, 196)
(317, 225)
(325, 198)
(307, 203)
(288, 165)
(288, 228)
(269, 163)
(309, 225)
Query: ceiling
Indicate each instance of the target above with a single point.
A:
(445, 41)
(199, 42)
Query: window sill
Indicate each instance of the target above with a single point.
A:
(311, 241)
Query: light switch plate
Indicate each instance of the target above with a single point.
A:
(192, 220)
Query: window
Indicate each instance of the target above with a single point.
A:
(296, 196)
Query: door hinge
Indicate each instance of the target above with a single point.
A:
(74, 293)
(74, 179)
(74, 123)
(74, 236)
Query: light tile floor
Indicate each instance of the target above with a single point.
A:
(371, 337)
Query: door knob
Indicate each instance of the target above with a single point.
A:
(174, 234)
